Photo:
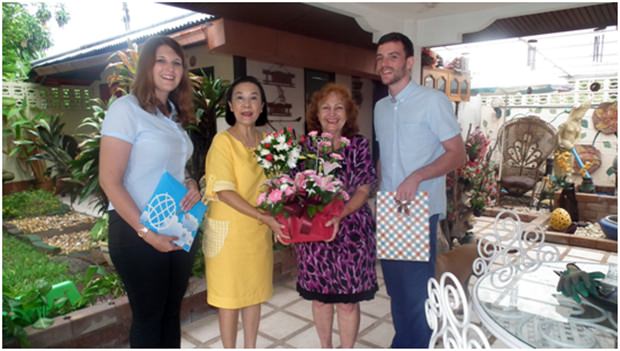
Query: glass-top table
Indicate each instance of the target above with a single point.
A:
(528, 312)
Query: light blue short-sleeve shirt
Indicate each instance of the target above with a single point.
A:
(158, 144)
(410, 128)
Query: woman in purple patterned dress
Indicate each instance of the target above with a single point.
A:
(341, 273)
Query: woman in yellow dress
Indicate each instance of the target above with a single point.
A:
(238, 242)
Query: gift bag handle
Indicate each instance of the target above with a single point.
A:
(402, 207)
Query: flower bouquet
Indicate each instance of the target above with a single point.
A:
(278, 152)
(305, 202)
(478, 173)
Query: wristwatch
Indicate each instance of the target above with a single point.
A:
(142, 232)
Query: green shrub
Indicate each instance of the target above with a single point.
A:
(23, 265)
(99, 231)
(198, 267)
(28, 275)
(31, 203)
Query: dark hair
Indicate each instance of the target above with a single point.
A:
(144, 88)
(350, 127)
(230, 116)
(398, 37)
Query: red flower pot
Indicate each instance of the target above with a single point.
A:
(303, 229)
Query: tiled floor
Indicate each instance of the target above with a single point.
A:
(286, 322)
(287, 318)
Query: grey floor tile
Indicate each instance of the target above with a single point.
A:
(379, 271)
(382, 290)
(281, 325)
(203, 330)
(585, 253)
(571, 258)
(380, 335)
(301, 308)
(261, 342)
(186, 344)
(265, 309)
(366, 321)
(362, 345)
(309, 339)
(283, 295)
(378, 307)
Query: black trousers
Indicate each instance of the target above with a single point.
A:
(155, 283)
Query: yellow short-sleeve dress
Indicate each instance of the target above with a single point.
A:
(237, 248)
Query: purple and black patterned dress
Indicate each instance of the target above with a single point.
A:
(343, 270)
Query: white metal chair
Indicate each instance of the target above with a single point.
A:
(511, 249)
(444, 298)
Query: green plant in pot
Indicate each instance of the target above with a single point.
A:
(123, 67)
(18, 120)
(99, 235)
(478, 176)
(85, 167)
(477, 205)
(209, 101)
(54, 147)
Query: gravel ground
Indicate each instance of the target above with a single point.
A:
(77, 241)
(592, 230)
(44, 223)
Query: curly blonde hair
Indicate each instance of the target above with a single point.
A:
(350, 127)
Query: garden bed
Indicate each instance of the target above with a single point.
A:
(64, 234)
(106, 325)
(593, 207)
(553, 236)
(65, 238)
(526, 215)
(52, 225)
(540, 218)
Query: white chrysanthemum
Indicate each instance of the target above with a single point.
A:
(293, 156)
(266, 164)
(282, 146)
(264, 152)
(281, 139)
(279, 157)
(269, 138)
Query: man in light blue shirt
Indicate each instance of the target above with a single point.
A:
(419, 142)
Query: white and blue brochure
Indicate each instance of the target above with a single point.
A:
(163, 213)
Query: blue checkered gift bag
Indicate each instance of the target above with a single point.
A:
(402, 228)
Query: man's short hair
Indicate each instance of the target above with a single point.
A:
(398, 37)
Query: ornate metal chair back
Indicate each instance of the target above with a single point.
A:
(445, 299)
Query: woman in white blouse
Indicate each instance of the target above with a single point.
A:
(143, 136)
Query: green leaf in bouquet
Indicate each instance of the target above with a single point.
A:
(312, 210)
(277, 208)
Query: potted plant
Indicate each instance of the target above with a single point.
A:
(478, 174)
(51, 145)
(99, 235)
(85, 166)
(210, 104)
(18, 120)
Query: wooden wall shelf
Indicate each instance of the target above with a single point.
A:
(456, 85)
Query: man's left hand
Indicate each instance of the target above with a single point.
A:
(407, 190)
